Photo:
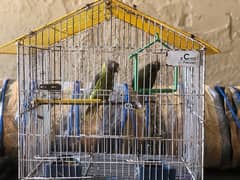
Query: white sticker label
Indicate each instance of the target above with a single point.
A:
(183, 58)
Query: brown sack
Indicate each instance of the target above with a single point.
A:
(10, 133)
(218, 150)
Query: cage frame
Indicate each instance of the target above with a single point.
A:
(101, 11)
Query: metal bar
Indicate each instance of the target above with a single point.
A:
(66, 101)
(135, 75)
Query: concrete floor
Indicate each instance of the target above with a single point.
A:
(8, 171)
(222, 175)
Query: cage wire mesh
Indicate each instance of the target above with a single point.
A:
(80, 117)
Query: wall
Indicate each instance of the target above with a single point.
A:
(215, 21)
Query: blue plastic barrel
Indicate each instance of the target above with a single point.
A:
(156, 172)
(61, 169)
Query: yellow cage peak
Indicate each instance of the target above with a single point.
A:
(99, 11)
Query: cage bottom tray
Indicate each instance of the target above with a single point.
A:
(112, 167)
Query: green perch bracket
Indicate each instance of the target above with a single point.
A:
(134, 57)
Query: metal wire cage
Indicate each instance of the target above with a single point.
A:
(131, 129)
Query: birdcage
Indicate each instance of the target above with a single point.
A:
(107, 92)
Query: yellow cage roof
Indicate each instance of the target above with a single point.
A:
(99, 11)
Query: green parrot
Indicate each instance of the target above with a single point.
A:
(104, 80)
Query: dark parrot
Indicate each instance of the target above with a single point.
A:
(104, 80)
(147, 75)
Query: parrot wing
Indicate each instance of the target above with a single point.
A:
(143, 77)
(147, 76)
(99, 83)
(97, 77)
